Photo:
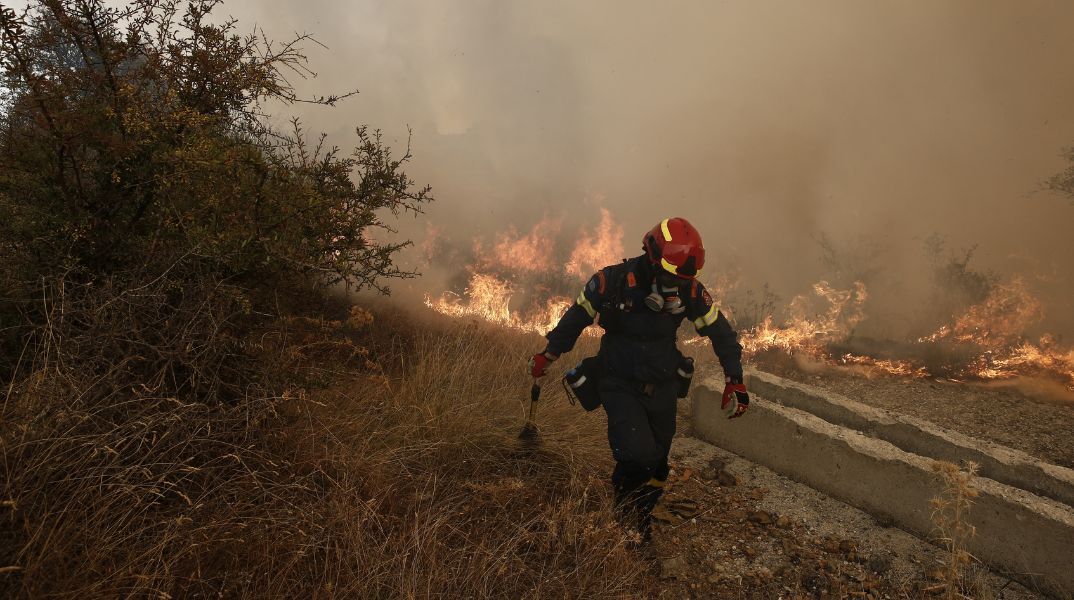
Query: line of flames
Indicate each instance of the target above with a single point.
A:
(994, 328)
(488, 299)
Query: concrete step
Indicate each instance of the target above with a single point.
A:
(917, 436)
(1026, 536)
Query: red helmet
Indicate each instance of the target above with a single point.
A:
(676, 246)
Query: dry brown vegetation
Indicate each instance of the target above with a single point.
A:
(402, 478)
(185, 411)
(178, 415)
(950, 515)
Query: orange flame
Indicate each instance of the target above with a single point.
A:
(998, 321)
(903, 368)
(515, 263)
(489, 299)
(998, 327)
(532, 252)
(808, 330)
(518, 263)
(598, 249)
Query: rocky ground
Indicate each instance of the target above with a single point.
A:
(729, 528)
(734, 529)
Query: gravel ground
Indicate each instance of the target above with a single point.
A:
(765, 536)
(1024, 415)
(733, 529)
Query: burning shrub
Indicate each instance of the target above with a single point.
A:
(956, 285)
(520, 281)
(749, 309)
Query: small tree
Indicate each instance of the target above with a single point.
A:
(150, 223)
(135, 158)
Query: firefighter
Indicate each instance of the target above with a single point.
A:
(641, 303)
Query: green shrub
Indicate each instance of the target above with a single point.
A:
(134, 157)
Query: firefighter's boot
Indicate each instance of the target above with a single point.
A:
(634, 509)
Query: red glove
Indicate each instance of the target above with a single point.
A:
(735, 399)
(539, 363)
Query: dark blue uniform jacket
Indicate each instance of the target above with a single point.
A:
(639, 343)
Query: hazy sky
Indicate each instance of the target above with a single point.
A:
(765, 123)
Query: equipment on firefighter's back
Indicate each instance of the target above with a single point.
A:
(582, 382)
(665, 299)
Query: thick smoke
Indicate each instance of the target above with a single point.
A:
(771, 125)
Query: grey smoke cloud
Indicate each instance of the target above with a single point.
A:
(765, 123)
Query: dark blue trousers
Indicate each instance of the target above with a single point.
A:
(641, 424)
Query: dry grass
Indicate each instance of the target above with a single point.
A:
(950, 515)
(402, 477)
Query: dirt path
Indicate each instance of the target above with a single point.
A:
(734, 529)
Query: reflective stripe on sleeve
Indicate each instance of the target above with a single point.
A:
(584, 303)
(708, 318)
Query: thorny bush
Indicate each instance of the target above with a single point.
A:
(134, 156)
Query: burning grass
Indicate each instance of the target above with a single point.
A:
(401, 478)
(520, 286)
(522, 282)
